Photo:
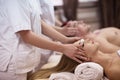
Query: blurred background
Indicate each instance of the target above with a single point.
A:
(98, 13)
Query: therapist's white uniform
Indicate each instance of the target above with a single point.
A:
(47, 15)
(47, 9)
(16, 57)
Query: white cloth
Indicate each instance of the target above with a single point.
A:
(62, 76)
(48, 16)
(104, 78)
(18, 15)
(10, 74)
(89, 71)
(118, 52)
(47, 9)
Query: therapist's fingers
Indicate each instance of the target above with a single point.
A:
(69, 24)
(82, 58)
(75, 23)
(72, 23)
(81, 53)
(80, 48)
(76, 59)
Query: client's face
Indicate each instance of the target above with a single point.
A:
(89, 46)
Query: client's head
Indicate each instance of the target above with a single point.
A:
(90, 47)
(83, 29)
(66, 64)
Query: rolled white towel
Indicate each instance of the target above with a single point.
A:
(62, 76)
(104, 78)
(89, 71)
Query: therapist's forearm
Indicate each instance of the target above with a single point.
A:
(59, 29)
(38, 41)
(51, 32)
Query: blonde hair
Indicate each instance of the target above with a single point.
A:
(65, 64)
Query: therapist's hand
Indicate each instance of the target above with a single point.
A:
(70, 28)
(69, 31)
(74, 53)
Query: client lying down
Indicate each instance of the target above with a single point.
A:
(109, 61)
(110, 35)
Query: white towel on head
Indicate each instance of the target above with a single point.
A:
(62, 76)
(118, 52)
(89, 71)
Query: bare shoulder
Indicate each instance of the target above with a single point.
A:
(114, 70)
(110, 33)
(110, 28)
(114, 73)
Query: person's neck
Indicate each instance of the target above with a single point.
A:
(103, 59)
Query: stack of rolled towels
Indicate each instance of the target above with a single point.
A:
(84, 71)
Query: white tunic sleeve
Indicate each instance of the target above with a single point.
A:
(21, 21)
(47, 9)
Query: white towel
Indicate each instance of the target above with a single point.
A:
(118, 52)
(89, 71)
(62, 76)
(104, 78)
